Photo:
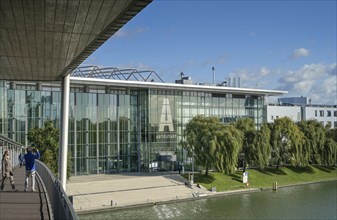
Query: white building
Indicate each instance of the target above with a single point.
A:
(323, 113)
(280, 111)
(326, 114)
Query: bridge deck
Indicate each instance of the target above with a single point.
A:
(23, 205)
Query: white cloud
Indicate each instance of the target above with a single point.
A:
(219, 60)
(251, 77)
(304, 86)
(328, 86)
(255, 78)
(312, 80)
(120, 33)
(307, 72)
(300, 52)
(316, 81)
(264, 71)
(138, 66)
(123, 33)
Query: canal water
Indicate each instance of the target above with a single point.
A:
(313, 201)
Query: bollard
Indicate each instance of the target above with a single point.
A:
(112, 202)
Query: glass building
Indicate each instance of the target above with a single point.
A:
(120, 125)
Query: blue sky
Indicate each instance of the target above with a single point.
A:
(279, 45)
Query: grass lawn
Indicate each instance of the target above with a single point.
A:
(259, 178)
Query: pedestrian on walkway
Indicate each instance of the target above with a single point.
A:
(7, 171)
(30, 157)
(21, 159)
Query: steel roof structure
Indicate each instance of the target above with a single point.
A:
(116, 73)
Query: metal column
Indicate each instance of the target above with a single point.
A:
(63, 152)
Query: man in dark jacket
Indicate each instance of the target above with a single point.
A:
(30, 156)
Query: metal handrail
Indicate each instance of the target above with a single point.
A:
(60, 203)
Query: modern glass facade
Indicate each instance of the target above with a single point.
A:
(122, 127)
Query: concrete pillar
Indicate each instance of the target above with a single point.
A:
(86, 88)
(63, 152)
(107, 90)
(39, 86)
(12, 85)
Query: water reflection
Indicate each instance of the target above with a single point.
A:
(314, 201)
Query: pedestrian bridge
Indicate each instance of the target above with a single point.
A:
(48, 202)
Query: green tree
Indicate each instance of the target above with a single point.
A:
(256, 144)
(228, 145)
(315, 137)
(329, 152)
(247, 127)
(261, 147)
(214, 144)
(200, 138)
(287, 143)
(46, 139)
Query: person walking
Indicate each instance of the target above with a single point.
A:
(21, 159)
(7, 171)
(30, 157)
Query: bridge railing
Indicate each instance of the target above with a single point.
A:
(13, 147)
(60, 204)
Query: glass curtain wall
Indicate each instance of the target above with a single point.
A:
(3, 109)
(120, 130)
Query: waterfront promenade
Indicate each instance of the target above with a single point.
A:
(23, 205)
(106, 191)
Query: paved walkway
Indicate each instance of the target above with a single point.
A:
(95, 192)
(23, 205)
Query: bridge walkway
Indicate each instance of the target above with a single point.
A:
(23, 205)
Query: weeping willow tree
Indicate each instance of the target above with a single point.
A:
(214, 144)
(247, 127)
(255, 144)
(260, 147)
(315, 139)
(228, 145)
(287, 143)
(329, 152)
(200, 138)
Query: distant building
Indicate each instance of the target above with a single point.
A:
(298, 109)
(294, 101)
(279, 111)
(324, 113)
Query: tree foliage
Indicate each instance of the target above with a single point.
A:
(200, 137)
(255, 144)
(218, 146)
(228, 146)
(247, 127)
(329, 153)
(315, 137)
(214, 144)
(261, 147)
(46, 139)
(287, 143)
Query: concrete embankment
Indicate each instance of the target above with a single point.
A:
(98, 193)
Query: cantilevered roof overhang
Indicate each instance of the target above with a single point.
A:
(174, 86)
(44, 40)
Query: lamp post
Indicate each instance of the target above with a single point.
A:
(192, 177)
(213, 70)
